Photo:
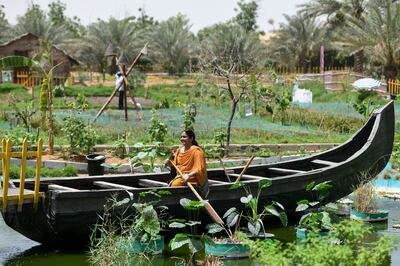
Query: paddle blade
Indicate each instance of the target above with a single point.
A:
(213, 214)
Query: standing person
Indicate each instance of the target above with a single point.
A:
(118, 80)
(190, 160)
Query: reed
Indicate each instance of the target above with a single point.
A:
(364, 195)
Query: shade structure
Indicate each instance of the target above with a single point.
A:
(366, 83)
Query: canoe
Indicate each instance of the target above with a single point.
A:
(70, 206)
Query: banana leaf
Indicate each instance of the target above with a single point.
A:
(17, 61)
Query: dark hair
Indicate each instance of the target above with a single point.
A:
(191, 134)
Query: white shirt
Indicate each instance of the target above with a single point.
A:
(118, 81)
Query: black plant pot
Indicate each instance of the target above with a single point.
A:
(94, 164)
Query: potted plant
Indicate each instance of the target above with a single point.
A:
(143, 235)
(188, 242)
(232, 246)
(317, 219)
(365, 207)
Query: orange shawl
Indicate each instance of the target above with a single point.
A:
(192, 161)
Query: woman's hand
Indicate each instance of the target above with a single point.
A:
(186, 177)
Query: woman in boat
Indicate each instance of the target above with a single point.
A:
(190, 160)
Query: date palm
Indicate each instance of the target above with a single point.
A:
(377, 35)
(297, 40)
(171, 44)
(35, 21)
(337, 13)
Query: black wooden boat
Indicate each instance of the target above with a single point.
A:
(71, 205)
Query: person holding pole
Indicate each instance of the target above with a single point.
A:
(118, 80)
(191, 162)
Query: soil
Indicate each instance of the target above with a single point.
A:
(102, 100)
(82, 159)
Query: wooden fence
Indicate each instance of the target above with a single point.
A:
(393, 87)
(30, 79)
(9, 193)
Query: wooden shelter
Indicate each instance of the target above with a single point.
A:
(28, 45)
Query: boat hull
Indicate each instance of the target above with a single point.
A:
(66, 217)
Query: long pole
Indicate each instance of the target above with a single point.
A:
(210, 210)
(142, 52)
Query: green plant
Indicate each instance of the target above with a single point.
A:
(66, 171)
(278, 104)
(147, 222)
(17, 136)
(326, 251)
(146, 157)
(24, 115)
(319, 220)
(81, 137)
(220, 139)
(188, 118)
(254, 218)
(157, 129)
(121, 146)
(189, 237)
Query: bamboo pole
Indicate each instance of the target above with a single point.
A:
(22, 174)
(37, 174)
(210, 210)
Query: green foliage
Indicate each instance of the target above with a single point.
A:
(247, 15)
(121, 146)
(95, 90)
(278, 104)
(11, 87)
(254, 218)
(188, 118)
(17, 136)
(66, 171)
(81, 136)
(326, 250)
(189, 237)
(364, 104)
(24, 114)
(146, 157)
(171, 42)
(319, 220)
(157, 129)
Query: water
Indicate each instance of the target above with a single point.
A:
(16, 249)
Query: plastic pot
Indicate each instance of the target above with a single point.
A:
(94, 162)
(227, 250)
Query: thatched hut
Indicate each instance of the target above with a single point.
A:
(28, 45)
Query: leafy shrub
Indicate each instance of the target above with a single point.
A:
(11, 87)
(326, 250)
(157, 129)
(81, 137)
(15, 171)
(96, 90)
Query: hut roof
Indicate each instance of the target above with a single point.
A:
(27, 35)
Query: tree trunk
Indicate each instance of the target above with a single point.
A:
(228, 129)
(359, 61)
(50, 124)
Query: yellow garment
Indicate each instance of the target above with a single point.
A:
(191, 161)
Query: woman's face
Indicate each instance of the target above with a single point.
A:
(185, 139)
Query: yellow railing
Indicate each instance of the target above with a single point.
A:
(393, 86)
(30, 79)
(20, 194)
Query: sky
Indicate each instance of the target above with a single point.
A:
(201, 13)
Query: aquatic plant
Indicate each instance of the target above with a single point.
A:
(318, 219)
(352, 250)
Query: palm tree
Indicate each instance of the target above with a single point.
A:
(35, 21)
(378, 35)
(337, 12)
(297, 40)
(123, 34)
(4, 26)
(171, 43)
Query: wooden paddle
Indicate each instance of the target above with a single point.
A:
(213, 214)
(244, 169)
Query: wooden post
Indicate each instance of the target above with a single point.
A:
(142, 52)
(37, 176)
(6, 171)
(22, 175)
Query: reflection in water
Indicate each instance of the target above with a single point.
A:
(15, 249)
